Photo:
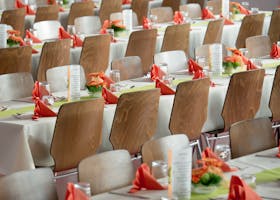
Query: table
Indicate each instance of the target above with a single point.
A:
(25, 143)
(250, 164)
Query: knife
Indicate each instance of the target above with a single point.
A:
(129, 195)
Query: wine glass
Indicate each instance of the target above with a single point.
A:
(223, 151)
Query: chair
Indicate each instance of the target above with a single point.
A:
(14, 18)
(72, 142)
(15, 85)
(242, 100)
(157, 149)
(164, 14)
(130, 67)
(216, 5)
(258, 46)
(176, 37)
(174, 4)
(135, 120)
(142, 43)
(45, 13)
(47, 30)
(274, 29)
(251, 25)
(93, 57)
(117, 166)
(87, 25)
(189, 111)
(7, 5)
(53, 54)
(140, 7)
(174, 60)
(214, 32)
(119, 16)
(57, 77)
(79, 9)
(193, 10)
(200, 2)
(107, 7)
(251, 136)
(274, 97)
(37, 184)
(17, 59)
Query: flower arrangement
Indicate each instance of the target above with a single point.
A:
(116, 25)
(94, 84)
(14, 38)
(233, 64)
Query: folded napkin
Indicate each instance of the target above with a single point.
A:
(145, 180)
(41, 110)
(77, 41)
(28, 34)
(226, 20)
(238, 53)
(64, 34)
(73, 193)
(164, 89)
(107, 80)
(146, 23)
(251, 66)
(20, 4)
(178, 18)
(275, 51)
(208, 153)
(126, 1)
(109, 97)
(156, 73)
(104, 27)
(239, 190)
(241, 9)
(39, 92)
(198, 74)
(34, 51)
(193, 66)
(207, 14)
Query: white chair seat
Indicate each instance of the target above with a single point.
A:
(87, 24)
(47, 30)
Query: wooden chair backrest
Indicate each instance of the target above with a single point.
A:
(214, 32)
(174, 4)
(176, 37)
(16, 59)
(251, 136)
(243, 97)
(49, 12)
(142, 43)
(274, 28)
(73, 142)
(193, 10)
(93, 58)
(140, 7)
(107, 7)
(164, 14)
(258, 46)
(217, 6)
(79, 9)
(275, 96)
(117, 166)
(135, 120)
(53, 54)
(251, 25)
(200, 2)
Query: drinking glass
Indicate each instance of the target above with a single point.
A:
(244, 51)
(28, 41)
(278, 43)
(84, 187)
(254, 10)
(245, 4)
(160, 171)
(111, 32)
(115, 75)
(71, 29)
(223, 151)
(153, 19)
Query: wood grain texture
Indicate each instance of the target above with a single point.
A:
(130, 67)
(202, 3)
(190, 108)
(176, 37)
(274, 100)
(16, 59)
(14, 18)
(157, 149)
(214, 32)
(251, 25)
(140, 7)
(135, 120)
(217, 6)
(95, 53)
(251, 136)
(80, 9)
(53, 54)
(143, 43)
(107, 171)
(37, 184)
(258, 46)
(77, 133)
(274, 28)
(243, 97)
(16, 85)
(45, 13)
(174, 4)
(164, 14)
(109, 6)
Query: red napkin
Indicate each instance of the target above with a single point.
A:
(156, 73)
(278, 154)
(237, 52)
(109, 97)
(38, 91)
(227, 21)
(144, 179)
(105, 25)
(53, 2)
(198, 74)
(126, 1)
(251, 66)
(208, 153)
(207, 14)
(64, 34)
(275, 51)
(178, 18)
(107, 80)
(193, 66)
(77, 41)
(28, 34)
(34, 51)
(74, 194)
(146, 23)
(164, 89)
(239, 190)
(243, 10)
(20, 4)
(42, 110)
